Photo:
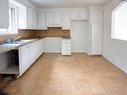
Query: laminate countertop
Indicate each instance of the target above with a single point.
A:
(7, 47)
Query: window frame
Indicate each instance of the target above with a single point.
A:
(113, 22)
(13, 29)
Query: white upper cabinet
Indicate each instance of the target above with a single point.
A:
(4, 13)
(58, 18)
(50, 18)
(22, 17)
(54, 19)
(66, 21)
(95, 14)
(42, 20)
(79, 15)
(31, 18)
(27, 18)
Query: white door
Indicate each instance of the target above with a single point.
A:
(79, 35)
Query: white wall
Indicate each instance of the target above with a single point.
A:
(79, 35)
(52, 45)
(114, 50)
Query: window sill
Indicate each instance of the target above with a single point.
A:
(119, 39)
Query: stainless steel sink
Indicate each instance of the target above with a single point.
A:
(22, 41)
(10, 45)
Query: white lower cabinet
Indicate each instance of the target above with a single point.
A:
(24, 59)
(29, 54)
(66, 46)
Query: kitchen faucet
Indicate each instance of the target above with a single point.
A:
(17, 38)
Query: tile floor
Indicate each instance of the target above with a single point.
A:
(79, 74)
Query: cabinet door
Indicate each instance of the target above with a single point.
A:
(33, 52)
(29, 18)
(54, 19)
(34, 19)
(83, 16)
(42, 20)
(66, 21)
(66, 47)
(4, 13)
(22, 17)
(58, 19)
(42, 46)
(96, 39)
(24, 59)
(50, 18)
(95, 14)
(79, 15)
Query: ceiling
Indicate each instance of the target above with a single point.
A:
(67, 3)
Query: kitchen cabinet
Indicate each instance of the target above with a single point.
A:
(54, 19)
(4, 16)
(66, 22)
(95, 14)
(22, 17)
(95, 30)
(52, 44)
(95, 42)
(79, 15)
(42, 20)
(31, 18)
(29, 54)
(27, 18)
(24, 59)
(66, 46)
(33, 53)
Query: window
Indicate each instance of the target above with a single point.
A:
(12, 29)
(119, 22)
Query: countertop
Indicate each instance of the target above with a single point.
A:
(5, 48)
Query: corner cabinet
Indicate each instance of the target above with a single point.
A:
(4, 16)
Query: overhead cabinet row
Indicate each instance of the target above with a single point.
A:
(59, 19)
(44, 19)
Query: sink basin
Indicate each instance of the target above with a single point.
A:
(23, 41)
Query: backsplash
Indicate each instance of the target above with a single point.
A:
(31, 33)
